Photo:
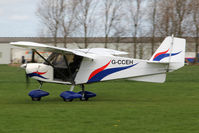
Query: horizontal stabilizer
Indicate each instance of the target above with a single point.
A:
(157, 78)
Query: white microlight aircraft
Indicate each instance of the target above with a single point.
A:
(82, 66)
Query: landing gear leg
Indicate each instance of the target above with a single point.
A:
(41, 83)
(83, 98)
(72, 87)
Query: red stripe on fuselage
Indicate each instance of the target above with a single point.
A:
(98, 70)
(40, 73)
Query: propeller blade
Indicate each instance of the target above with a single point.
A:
(27, 81)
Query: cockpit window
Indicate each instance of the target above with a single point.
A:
(59, 60)
(65, 65)
(70, 58)
(50, 58)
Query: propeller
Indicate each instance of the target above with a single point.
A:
(23, 66)
(27, 81)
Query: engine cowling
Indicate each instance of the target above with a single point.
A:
(39, 71)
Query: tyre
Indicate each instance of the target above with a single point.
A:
(36, 98)
(84, 99)
(68, 100)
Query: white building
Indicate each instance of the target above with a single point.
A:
(5, 54)
(9, 54)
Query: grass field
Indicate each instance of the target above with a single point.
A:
(120, 106)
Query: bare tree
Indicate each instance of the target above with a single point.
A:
(112, 16)
(51, 12)
(119, 32)
(85, 18)
(68, 24)
(164, 17)
(134, 7)
(194, 12)
(171, 17)
(153, 19)
(181, 10)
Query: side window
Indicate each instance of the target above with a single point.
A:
(70, 58)
(50, 59)
(60, 62)
(57, 60)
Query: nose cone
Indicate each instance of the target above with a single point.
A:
(23, 66)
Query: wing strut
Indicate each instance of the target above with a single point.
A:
(43, 58)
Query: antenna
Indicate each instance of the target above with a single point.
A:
(171, 49)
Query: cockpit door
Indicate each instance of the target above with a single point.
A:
(65, 66)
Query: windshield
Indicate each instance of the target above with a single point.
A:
(60, 60)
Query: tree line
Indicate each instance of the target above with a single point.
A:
(119, 18)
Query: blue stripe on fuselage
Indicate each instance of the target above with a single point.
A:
(35, 74)
(99, 76)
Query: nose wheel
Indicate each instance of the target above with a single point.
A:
(36, 95)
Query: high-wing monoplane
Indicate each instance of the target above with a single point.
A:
(84, 66)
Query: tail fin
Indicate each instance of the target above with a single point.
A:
(171, 52)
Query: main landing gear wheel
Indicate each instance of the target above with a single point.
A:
(68, 100)
(36, 98)
(84, 99)
(68, 96)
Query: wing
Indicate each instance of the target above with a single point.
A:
(44, 47)
(103, 51)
